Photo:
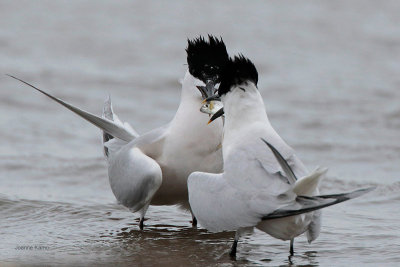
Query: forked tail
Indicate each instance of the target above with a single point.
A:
(110, 144)
(303, 188)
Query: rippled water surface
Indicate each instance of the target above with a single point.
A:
(329, 75)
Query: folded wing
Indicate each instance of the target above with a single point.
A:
(303, 204)
(218, 206)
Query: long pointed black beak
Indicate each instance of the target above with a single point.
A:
(208, 90)
(217, 114)
(212, 98)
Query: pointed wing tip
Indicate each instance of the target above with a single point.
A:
(9, 75)
(282, 162)
(12, 76)
(363, 191)
(354, 194)
(324, 201)
(268, 144)
(22, 81)
(265, 141)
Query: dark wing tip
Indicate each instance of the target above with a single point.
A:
(9, 75)
(290, 175)
(313, 203)
(267, 143)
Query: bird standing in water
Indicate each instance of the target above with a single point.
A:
(259, 186)
(152, 169)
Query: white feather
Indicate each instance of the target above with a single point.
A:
(153, 168)
(253, 183)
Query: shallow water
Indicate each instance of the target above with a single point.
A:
(329, 77)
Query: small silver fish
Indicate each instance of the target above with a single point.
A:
(211, 107)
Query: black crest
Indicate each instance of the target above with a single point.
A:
(206, 59)
(238, 71)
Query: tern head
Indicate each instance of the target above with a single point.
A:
(240, 76)
(239, 72)
(207, 60)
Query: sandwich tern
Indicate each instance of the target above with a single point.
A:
(152, 169)
(258, 186)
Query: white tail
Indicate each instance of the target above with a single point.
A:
(306, 186)
(110, 143)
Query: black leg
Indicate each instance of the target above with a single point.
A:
(232, 253)
(290, 260)
(141, 223)
(142, 214)
(291, 247)
(194, 222)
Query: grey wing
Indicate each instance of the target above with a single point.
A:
(315, 225)
(134, 177)
(279, 160)
(151, 143)
(106, 125)
(217, 205)
(152, 136)
(304, 204)
(289, 174)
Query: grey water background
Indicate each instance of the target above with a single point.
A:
(329, 75)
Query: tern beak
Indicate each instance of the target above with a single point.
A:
(212, 98)
(217, 114)
(208, 90)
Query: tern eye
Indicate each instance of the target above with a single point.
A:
(244, 90)
(210, 67)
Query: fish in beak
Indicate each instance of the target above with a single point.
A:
(208, 90)
(212, 105)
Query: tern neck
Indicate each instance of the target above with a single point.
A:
(189, 106)
(246, 121)
(188, 118)
(191, 142)
(243, 109)
(189, 92)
